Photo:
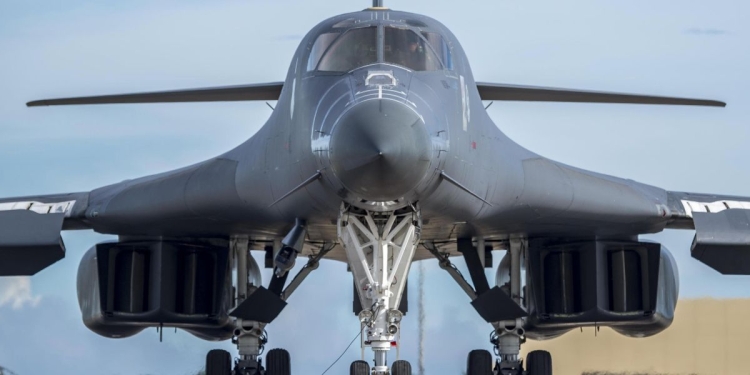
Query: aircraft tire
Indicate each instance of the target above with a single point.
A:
(401, 367)
(359, 368)
(539, 362)
(278, 362)
(218, 362)
(479, 363)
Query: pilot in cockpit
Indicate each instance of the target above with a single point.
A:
(358, 47)
(405, 48)
(363, 53)
(414, 54)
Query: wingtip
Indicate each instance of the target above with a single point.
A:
(713, 103)
(36, 103)
(705, 103)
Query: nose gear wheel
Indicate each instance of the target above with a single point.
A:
(401, 367)
(359, 368)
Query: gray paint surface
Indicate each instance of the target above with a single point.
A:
(495, 188)
(516, 130)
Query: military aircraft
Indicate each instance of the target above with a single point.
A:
(379, 153)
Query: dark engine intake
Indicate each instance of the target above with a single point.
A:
(125, 287)
(631, 287)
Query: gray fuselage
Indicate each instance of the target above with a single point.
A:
(381, 136)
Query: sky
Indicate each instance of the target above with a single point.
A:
(690, 48)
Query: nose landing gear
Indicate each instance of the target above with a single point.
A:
(380, 247)
(359, 368)
(401, 368)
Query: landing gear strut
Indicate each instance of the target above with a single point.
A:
(507, 342)
(255, 306)
(502, 306)
(509, 334)
(379, 247)
(249, 336)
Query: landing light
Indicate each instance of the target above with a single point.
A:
(365, 316)
(395, 316)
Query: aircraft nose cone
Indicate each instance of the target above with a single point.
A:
(380, 150)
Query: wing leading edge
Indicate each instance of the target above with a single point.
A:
(261, 91)
(271, 91)
(503, 92)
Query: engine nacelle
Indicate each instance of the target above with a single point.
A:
(631, 287)
(125, 287)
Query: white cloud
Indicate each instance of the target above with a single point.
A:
(16, 292)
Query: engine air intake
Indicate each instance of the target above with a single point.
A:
(124, 287)
(126, 275)
(630, 286)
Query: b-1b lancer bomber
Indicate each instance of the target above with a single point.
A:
(378, 153)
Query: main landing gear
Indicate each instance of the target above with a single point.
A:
(503, 307)
(379, 247)
(256, 306)
(398, 367)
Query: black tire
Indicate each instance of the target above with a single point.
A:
(479, 363)
(401, 368)
(359, 368)
(218, 362)
(278, 362)
(539, 362)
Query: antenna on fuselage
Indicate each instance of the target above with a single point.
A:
(377, 4)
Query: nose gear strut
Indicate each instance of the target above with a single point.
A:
(380, 247)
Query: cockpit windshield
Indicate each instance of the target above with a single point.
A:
(336, 52)
(404, 47)
(321, 45)
(357, 47)
(440, 47)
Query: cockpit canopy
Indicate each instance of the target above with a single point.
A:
(344, 51)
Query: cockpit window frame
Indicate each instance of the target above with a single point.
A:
(444, 66)
(418, 34)
(341, 35)
(322, 53)
(447, 65)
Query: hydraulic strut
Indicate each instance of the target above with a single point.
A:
(380, 247)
